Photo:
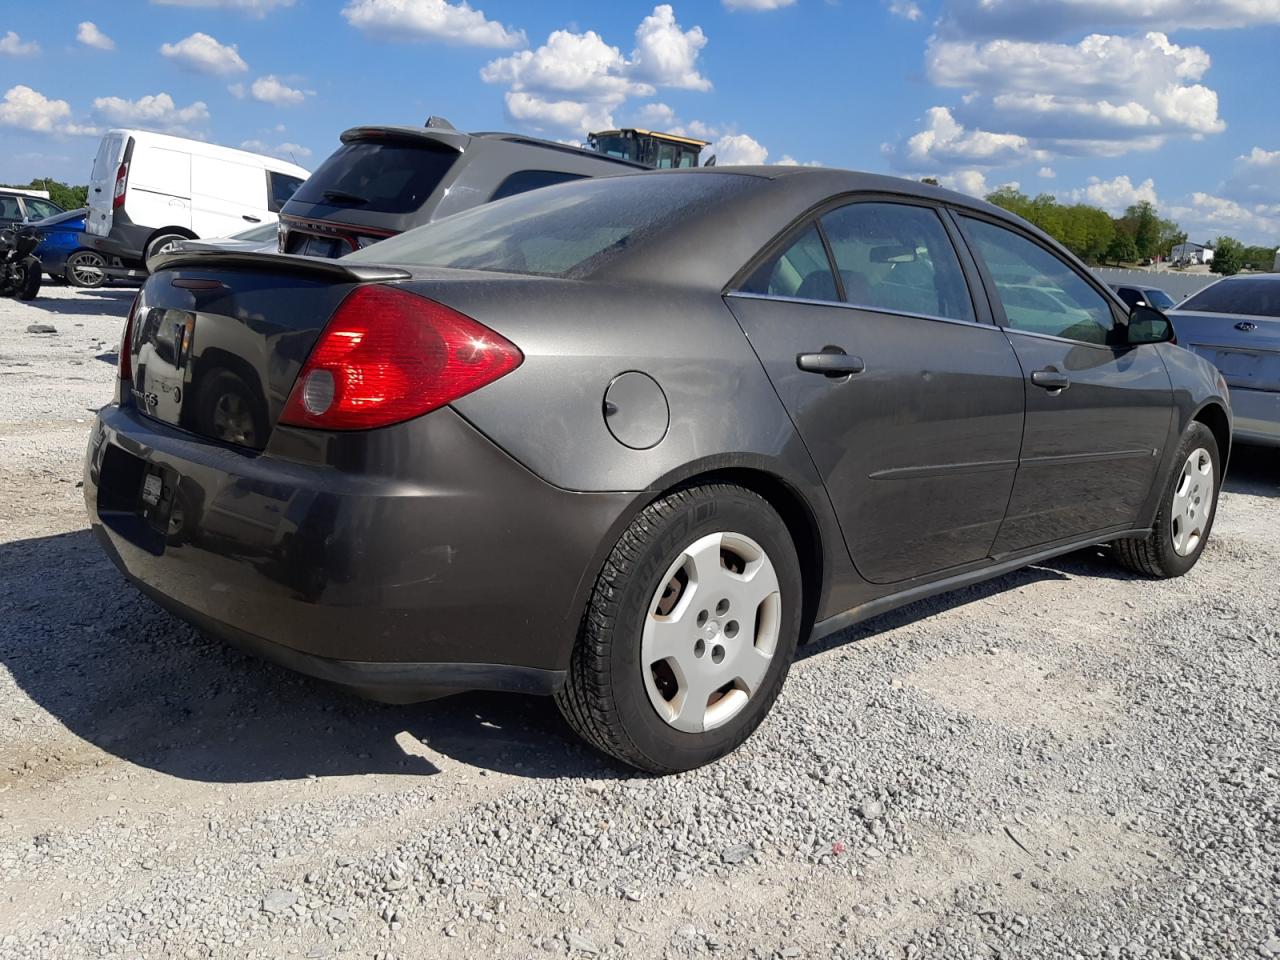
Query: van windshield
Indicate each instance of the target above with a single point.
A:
(569, 230)
(383, 176)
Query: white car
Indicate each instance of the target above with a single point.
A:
(149, 191)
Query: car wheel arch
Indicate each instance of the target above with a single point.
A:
(1214, 416)
(166, 231)
(815, 543)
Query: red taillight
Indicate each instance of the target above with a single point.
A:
(122, 181)
(124, 360)
(386, 356)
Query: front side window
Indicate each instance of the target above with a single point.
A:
(1040, 293)
(800, 270)
(897, 257)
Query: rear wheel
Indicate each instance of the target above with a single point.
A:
(1186, 511)
(86, 268)
(164, 243)
(29, 280)
(689, 633)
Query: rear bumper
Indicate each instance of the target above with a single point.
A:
(126, 241)
(1255, 416)
(399, 590)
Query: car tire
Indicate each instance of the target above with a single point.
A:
(159, 244)
(1185, 516)
(714, 569)
(29, 287)
(86, 269)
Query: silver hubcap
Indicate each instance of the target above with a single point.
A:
(87, 267)
(711, 632)
(1192, 502)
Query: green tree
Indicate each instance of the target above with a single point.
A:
(1169, 236)
(931, 181)
(1121, 248)
(1259, 258)
(1228, 256)
(1144, 227)
(1012, 199)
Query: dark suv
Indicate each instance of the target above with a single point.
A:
(385, 180)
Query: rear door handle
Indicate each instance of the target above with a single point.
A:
(1051, 380)
(245, 216)
(831, 362)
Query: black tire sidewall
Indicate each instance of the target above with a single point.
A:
(154, 246)
(30, 282)
(720, 510)
(1174, 563)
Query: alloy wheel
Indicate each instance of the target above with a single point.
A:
(1192, 502)
(86, 268)
(711, 631)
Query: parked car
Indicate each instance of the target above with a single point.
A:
(62, 253)
(23, 206)
(627, 440)
(149, 191)
(1151, 296)
(384, 180)
(254, 240)
(1235, 325)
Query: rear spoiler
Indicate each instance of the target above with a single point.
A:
(435, 136)
(276, 263)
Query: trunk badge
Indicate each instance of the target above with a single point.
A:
(1246, 326)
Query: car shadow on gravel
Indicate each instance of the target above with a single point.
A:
(87, 303)
(1254, 471)
(126, 677)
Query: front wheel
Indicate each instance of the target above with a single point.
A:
(1185, 515)
(29, 280)
(689, 633)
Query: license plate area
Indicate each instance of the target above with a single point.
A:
(155, 497)
(135, 497)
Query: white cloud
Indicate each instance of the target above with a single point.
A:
(574, 82)
(737, 149)
(204, 54)
(286, 150)
(1205, 217)
(14, 46)
(1255, 178)
(666, 54)
(91, 36)
(1054, 18)
(1113, 195)
(1105, 95)
(29, 109)
(906, 9)
(790, 161)
(254, 8)
(456, 23)
(946, 143)
(655, 115)
(271, 89)
(1047, 173)
(153, 112)
(756, 4)
(972, 182)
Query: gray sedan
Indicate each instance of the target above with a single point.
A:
(1235, 325)
(628, 441)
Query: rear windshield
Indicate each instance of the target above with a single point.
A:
(567, 230)
(382, 176)
(1259, 298)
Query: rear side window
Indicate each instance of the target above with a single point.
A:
(281, 188)
(1040, 293)
(896, 257)
(801, 270)
(526, 180)
(1258, 298)
(385, 177)
(565, 231)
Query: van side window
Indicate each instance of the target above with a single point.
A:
(525, 180)
(282, 187)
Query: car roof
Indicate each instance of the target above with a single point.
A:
(460, 141)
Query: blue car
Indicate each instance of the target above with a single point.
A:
(62, 253)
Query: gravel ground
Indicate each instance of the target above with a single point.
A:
(1066, 762)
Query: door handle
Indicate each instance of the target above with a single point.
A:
(97, 189)
(1051, 380)
(245, 216)
(831, 362)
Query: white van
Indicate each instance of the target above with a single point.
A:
(149, 191)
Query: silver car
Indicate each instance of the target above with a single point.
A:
(1235, 325)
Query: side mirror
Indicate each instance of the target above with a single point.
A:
(1149, 325)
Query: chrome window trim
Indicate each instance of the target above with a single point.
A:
(865, 308)
(1112, 348)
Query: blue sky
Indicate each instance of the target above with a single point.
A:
(1106, 101)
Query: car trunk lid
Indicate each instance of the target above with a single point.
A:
(218, 338)
(1246, 349)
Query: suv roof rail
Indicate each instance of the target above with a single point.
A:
(553, 145)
